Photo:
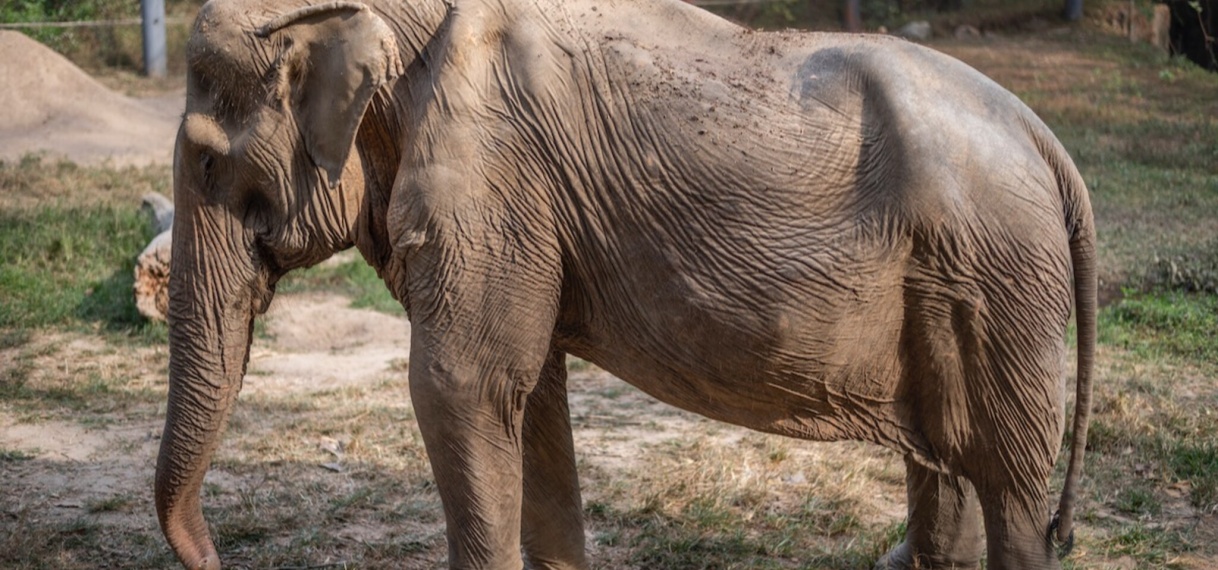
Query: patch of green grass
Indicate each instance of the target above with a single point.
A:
(79, 544)
(1197, 462)
(675, 547)
(1138, 500)
(354, 278)
(65, 264)
(13, 455)
(1179, 449)
(703, 504)
(13, 338)
(1164, 324)
(1190, 270)
(705, 536)
(109, 505)
(1152, 547)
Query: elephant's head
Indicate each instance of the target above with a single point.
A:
(265, 181)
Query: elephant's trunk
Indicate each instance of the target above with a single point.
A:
(215, 290)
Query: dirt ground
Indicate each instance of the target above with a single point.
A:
(315, 353)
(315, 347)
(49, 105)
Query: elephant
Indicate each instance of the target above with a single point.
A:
(824, 236)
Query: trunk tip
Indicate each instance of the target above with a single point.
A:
(209, 561)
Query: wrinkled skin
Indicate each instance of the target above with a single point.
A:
(823, 236)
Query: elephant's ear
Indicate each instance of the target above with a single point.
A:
(338, 54)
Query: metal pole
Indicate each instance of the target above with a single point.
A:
(853, 19)
(153, 13)
(1074, 10)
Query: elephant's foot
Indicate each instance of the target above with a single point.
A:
(903, 557)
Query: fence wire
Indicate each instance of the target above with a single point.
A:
(86, 24)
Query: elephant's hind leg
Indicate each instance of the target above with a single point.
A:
(944, 526)
(552, 519)
(1016, 526)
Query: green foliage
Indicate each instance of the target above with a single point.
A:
(72, 40)
(115, 503)
(96, 47)
(1194, 270)
(69, 237)
(1164, 324)
(1178, 449)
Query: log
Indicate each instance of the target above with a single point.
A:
(152, 265)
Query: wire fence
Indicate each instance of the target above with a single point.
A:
(116, 42)
(85, 24)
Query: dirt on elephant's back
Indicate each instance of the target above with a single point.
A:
(49, 105)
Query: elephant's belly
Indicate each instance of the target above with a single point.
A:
(816, 385)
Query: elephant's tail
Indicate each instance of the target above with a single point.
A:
(1081, 225)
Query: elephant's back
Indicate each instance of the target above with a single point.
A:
(943, 144)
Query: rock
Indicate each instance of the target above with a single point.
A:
(967, 32)
(161, 210)
(919, 30)
(152, 265)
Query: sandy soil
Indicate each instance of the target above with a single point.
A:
(49, 105)
(100, 468)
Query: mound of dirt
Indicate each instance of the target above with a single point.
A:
(49, 105)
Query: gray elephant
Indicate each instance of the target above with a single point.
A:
(824, 236)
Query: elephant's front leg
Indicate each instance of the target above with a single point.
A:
(470, 415)
(553, 530)
(480, 337)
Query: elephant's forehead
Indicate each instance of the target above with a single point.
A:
(223, 33)
(223, 53)
(218, 32)
(223, 57)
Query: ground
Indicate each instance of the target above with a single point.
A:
(323, 466)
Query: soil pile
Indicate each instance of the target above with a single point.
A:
(48, 104)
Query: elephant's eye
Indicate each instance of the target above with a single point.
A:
(206, 161)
